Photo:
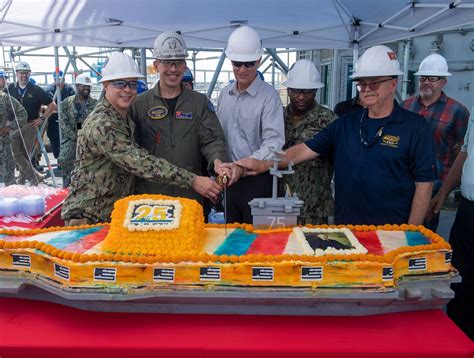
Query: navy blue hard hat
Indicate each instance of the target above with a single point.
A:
(142, 86)
(3, 74)
(188, 76)
(31, 80)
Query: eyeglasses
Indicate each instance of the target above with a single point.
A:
(121, 84)
(374, 86)
(171, 63)
(430, 78)
(239, 64)
(297, 92)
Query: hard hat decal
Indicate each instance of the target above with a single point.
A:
(210, 107)
(184, 115)
(392, 55)
(158, 112)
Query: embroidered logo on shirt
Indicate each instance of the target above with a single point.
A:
(390, 141)
(158, 112)
(184, 115)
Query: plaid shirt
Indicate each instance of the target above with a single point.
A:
(448, 119)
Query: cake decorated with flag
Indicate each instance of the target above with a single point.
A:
(155, 241)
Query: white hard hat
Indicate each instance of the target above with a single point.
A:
(83, 80)
(22, 66)
(244, 45)
(120, 65)
(377, 61)
(170, 46)
(303, 75)
(433, 65)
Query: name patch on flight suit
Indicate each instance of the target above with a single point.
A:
(390, 140)
(158, 112)
(184, 115)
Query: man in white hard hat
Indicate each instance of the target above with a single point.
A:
(176, 123)
(108, 159)
(304, 118)
(251, 114)
(460, 309)
(74, 110)
(32, 97)
(384, 158)
(447, 117)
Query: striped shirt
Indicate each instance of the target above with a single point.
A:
(448, 120)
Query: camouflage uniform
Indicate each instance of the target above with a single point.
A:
(7, 119)
(108, 159)
(312, 179)
(70, 120)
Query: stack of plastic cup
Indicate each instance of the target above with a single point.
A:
(32, 205)
(9, 206)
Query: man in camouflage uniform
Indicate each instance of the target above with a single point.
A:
(74, 111)
(8, 124)
(108, 159)
(304, 117)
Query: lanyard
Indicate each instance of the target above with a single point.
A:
(377, 136)
(21, 92)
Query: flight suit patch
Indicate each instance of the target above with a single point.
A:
(184, 115)
(158, 112)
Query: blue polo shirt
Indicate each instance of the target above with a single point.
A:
(375, 183)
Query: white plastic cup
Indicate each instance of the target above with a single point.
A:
(32, 205)
(8, 206)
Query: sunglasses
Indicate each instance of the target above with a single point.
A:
(121, 84)
(239, 64)
(374, 86)
(430, 78)
(171, 63)
(297, 92)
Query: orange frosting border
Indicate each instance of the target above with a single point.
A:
(438, 244)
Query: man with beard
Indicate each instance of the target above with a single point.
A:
(447, 117)
(74, 110)
(304, 117)
(383, 155)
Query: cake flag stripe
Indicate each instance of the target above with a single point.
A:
(415, 238)
(237, 243)
(370, 241)
(87, 242)
(269, 243)
(391, 240)
(69, 237)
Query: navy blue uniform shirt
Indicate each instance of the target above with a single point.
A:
(375, 183)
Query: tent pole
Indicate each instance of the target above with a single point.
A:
(143, 61)
(406, 59)
(72, 60)
(278, 60)
(216, 74)
(332, 98)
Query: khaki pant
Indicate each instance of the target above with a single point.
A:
(20, 153)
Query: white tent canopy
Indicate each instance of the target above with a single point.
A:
(301, 24)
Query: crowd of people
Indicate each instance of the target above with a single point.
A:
(391, 162)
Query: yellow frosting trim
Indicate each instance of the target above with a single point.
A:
(438, 243)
